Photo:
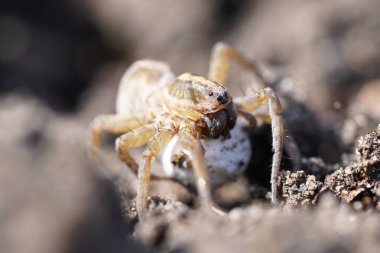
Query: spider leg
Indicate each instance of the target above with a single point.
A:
(221, 54)
(274, 113)
(135, 138)
(189, 141)
(112, 123)
(156, 143)
(254, 102)
(138, 137)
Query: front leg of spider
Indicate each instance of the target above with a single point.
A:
(111, 123)
(154, 146)
(274, 114)
(189, 141)
(136, 138)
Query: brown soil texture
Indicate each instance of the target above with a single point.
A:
(61, 62)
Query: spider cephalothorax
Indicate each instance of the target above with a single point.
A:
(202, 100)
(153, 107)
(191, 96)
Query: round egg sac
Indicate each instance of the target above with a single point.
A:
(225, 157)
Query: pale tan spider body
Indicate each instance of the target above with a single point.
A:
(189, 106)
(140, 89)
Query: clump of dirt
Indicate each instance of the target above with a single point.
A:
(368, 149)
(298, 189)
(358, 182)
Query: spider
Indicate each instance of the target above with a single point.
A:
(190, 106)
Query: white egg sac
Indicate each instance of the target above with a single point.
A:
(225, 158)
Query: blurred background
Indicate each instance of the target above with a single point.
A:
(60, 64)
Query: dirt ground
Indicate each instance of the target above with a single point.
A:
(57, 72)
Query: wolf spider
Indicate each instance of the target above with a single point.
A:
(153, 105)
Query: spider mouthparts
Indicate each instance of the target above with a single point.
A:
(220, 122)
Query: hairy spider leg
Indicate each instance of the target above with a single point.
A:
(155, 144)
(274, 114)
(189, 140)
(221, 54)
(136, 138)
(111, 123)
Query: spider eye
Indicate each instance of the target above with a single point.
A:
(211, 94)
